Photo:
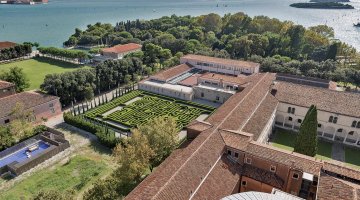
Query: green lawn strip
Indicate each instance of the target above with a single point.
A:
(75, 174)
(37, 68)
(352, 157)
(285, 139)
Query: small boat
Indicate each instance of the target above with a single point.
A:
(357, 25)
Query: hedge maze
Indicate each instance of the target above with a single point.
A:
(149, 107)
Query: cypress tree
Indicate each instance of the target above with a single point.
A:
(306, 141)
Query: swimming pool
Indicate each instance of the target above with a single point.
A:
(20, 155)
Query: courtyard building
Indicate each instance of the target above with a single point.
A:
(42, 106)
(229, 151)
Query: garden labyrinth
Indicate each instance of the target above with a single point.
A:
(151, 106)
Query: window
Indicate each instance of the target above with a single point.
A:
(229, 152)
(52, 110)
(243, 183)
(290, 118)
(319, 125)
(202, 94)
(236, 155)
(299, 121)
(335, 120)
(340, 130)
(289, 109)
(6, 121)
(315, 183)
(217, 98)
(353, 124)
(273, 168)
(293, 110)
(351, 133)
(295, 176)
(331, 118)
(248, 161)
(358, 125)
(51, 105)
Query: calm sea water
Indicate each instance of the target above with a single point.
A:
(51, 24)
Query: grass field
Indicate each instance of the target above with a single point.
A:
(285, 140)
(36, 69)
(352, 156)
(75, 174)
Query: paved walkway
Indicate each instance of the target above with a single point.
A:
(338, 152)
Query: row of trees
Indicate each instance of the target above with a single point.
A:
(82, 84)
(148, 146)
(17, 51)
(64, 53)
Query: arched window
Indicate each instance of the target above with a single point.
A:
(340, 130)
(293, 110)
(353, 124)
(331, 118)
(299, 121)
(289, 109)
(351, 133)
(335, 120)
(290, 118)
(358, 125)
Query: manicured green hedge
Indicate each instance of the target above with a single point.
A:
(105, 137)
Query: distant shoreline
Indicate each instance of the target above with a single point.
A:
(23, 2)
(324, 5)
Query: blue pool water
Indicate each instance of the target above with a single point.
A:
(20, 155)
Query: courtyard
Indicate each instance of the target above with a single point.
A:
(138, 107)
(37, 68)
(285, 139)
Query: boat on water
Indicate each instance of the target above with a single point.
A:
(357, 25)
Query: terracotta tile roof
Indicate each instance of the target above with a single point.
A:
(122, 48)
(242, 79)
(222, 181)
(171, 73)
(292, 159)
(345, 103)
(199, 126)
(236, 140)
(261, 117)
(5, 84)
(191, 81)
(28, 99)
(341, 168)
(208, 59)
(6, 44)
(263, 176)
(332, 188)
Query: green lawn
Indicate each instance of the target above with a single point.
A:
(37, 68)
(76, 174)
(352, 156)
(285, 139)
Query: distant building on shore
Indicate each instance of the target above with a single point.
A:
(6, 45)
(23, 1)
(119, 51)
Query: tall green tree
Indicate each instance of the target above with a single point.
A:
(162, 135)
(306, 141)
(18, 77)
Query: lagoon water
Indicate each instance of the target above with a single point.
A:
(51, 24)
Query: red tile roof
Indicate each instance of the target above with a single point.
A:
(6, 44)
(171, 73)
(345, 103)
(28, 99)
(122, 48)
(5, 84)
(334, 188)
(242, 79)
(209, 59)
